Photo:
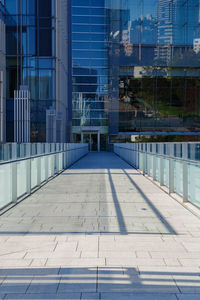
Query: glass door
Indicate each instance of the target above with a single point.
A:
(91, 139)
(86, 139)
(94, 141)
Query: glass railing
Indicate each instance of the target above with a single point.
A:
(173, 165)
(25, 167)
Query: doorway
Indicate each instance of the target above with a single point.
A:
(93, 140)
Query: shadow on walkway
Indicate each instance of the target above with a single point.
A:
(96, 283)
(103, 197)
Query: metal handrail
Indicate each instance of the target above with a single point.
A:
(38, 156)
(194, 162)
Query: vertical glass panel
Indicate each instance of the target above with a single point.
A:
(140, 161)
(33, 173)
(151, 165)
(193, 184)
(45, 91)
(178, 177)
(21, 178)
(11, 6)
(43, 168)
(5, 184)
(166, 172)
(157, 164)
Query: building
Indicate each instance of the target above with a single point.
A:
(196, 45)
(136, 69)
(2, 74)
(90, 72)
(38, 56)
(178, 23)
(154, 68)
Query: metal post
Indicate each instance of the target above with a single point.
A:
(28, 169)
(161, 171)
(185, 150)
(47, 161)
(161, 152)
(14, 181)
(171, 175)
(185, 182)
(39, 165)
(154, 161)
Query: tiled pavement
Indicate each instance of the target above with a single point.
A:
(100, 231)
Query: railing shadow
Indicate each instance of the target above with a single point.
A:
(87, 213)
(96, 283)
(150, 204)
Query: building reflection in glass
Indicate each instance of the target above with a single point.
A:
(90, 65)
(154, 60)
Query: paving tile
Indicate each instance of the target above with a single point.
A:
(90, 296)
(132, 296)
(13, 288)
(68, 296)
(134, 262)
(188, 296)
(96, 230)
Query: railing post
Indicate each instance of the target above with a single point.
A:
(14, 181)
(144, 164)
(47, 150)
(185, 151)
(39, 151)
(14, 151)
(161, 152)
(28, 169)
(14, 172)
(137, 156)
(171, 175)
(185, 182)
(154, 161)
(57, 158)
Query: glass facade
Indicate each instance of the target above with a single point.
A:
(2, 72)
(90, 65)
(154, 65)
(33, 56)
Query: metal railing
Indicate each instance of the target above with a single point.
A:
(170, 164)
(25, 167)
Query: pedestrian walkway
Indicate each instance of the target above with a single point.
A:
(100, 230)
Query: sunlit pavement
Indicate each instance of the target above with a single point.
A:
(100, 230)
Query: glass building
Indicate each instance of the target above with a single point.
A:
(2, 73)
(38, 57)
(90, 72)
(136, 68)
(154, 63)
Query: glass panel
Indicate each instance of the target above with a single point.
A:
(178, 177)
(5, 184)
(151, 165)
(21, 178)
(166, 172)
(158, 168)
(193, 184)
(94, 142)
(33, 173)
(43, 167)
(140, 161)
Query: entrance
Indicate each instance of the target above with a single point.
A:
(93, 140)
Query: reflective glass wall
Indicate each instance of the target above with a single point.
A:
(154, 63)
(2, 72)
(90, 64)
(37, 57)
(30, 51)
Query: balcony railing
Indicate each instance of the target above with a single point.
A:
(26, 167)
(173, 165)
